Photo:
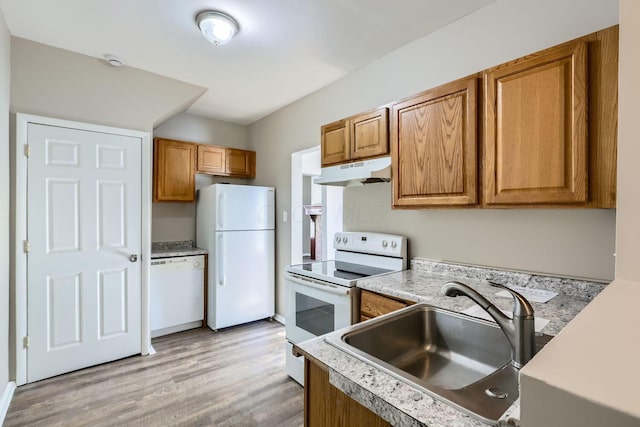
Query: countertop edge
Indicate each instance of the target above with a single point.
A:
(171, 253)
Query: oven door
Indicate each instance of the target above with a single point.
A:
(315, 308)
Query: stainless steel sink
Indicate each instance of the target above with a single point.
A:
(456, 358)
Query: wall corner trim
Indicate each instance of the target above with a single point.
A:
(5, 400)
(280, 319)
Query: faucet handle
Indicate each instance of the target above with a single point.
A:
(522, 306)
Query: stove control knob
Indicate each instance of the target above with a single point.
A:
(393, 244)
(344, 239)
(384, 243)
(337, 239)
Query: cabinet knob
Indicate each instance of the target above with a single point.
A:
(133, 257)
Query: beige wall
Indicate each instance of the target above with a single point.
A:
(588, 375)
(177, 221)
(567, 242)
(5, 84)
(58, 83)
(628, 217)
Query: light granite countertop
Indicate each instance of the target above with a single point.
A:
(404, 405)
(175, 249)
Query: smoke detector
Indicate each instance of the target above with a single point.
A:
(113, 60)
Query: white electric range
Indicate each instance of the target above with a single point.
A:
(322, 295)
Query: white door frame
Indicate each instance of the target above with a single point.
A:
(296, 202)
(331, 209)
(20, 189)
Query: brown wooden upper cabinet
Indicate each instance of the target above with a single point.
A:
(175, 164)
(434, 146)
(240, 163)
(335, 146)
(211, 159)
(549, 133)
(358, 137)
(535, 128)
(223, 161)
(174, 171)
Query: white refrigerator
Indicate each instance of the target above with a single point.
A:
(235, 223)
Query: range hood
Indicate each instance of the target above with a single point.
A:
(357, 173)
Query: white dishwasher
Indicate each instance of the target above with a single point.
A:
(177, 294)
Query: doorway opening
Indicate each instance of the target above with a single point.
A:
(316, 210)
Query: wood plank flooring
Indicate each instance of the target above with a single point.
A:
(233, 377)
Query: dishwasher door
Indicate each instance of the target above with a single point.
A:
(177, 294)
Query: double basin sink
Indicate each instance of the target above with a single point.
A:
(461, 360)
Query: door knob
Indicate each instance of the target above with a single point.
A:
(133, 258)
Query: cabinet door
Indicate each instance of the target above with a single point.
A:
(326, 406)
(174, 171)
(240, 163)
(369, 134)
(536, 128)
(335, 143)
(433, 146)
(211, 159)
(373, 305)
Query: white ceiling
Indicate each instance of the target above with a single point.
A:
(285, 50)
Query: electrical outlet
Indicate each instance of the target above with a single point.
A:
(285, 216)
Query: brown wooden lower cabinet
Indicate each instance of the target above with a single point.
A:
(374, 305)
(326, 406)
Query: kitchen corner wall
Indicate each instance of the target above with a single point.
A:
(58, 83)
(5, 85)
(573, 242)
(177, 221)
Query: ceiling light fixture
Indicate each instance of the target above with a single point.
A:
(216, 27)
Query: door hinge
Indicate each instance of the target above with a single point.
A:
(27, 150)
(25, 342)
(26, 247)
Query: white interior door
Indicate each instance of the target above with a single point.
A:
(84, 223)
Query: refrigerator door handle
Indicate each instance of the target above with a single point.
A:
(219, 261)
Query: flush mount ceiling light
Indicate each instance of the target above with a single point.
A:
(216, 27)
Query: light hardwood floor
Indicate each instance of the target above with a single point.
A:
(234, 377)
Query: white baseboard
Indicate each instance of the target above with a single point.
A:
(280, 318)
(177, 328)
(5, 400)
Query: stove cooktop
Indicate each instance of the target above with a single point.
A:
(339, 272)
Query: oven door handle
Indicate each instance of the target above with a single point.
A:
(338, 290)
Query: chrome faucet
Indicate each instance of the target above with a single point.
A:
(520, 330)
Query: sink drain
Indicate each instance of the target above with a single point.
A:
(496, 393)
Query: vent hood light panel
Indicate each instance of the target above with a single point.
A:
(358, 173)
